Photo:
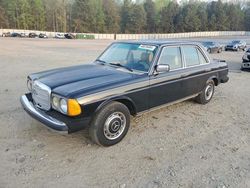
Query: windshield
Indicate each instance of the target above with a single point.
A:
(137, 57)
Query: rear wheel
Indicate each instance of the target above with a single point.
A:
(110, 124)
(207, 93)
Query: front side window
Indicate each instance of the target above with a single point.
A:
(172, 57)
(137, 57)
(191, 56)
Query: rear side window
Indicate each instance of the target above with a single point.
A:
(191, 55)
(172, 57)
(201, 58)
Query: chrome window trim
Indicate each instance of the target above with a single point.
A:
(181, 57)
(158, 54)
(202, 53)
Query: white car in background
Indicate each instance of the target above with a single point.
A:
(246, 60)
(60, 36)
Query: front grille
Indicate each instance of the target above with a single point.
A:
(41, 95)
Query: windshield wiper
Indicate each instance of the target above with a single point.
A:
(101, 61)
(120, 65)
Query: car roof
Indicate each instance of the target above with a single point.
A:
(158, 42)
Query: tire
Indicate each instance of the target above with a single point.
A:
(220, 50)
(207, 93)
(209, 50)
(110, 124)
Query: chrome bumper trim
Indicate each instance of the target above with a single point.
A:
(41, 116)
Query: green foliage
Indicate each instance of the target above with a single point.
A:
(168, 17)
(247, 18)
(149, 7)
(124, 16)
(111, 16)
(3, 18)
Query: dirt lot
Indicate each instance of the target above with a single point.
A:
(183, 145)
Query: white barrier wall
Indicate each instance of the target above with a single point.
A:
(141, 36)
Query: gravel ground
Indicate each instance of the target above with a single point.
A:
(183, 145)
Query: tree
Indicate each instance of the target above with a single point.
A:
(168, 17)
(202, 14)
(236, 17)
(191, 19)
(97, 19)
(137, 21)
(149, 7)
(3, 18)
(81, 16)
(111, 16)
(125, 15)
(247, 17)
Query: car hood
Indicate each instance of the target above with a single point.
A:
(84, 79)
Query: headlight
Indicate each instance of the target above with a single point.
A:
(63, 106)
(55, 102)
(29, 84)
(68, 107)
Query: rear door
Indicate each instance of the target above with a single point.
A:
(197, 69)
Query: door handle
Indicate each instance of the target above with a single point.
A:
(208, 69)
(184, 75)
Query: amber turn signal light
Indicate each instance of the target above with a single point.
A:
(74, 108)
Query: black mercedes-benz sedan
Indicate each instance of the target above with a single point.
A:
(127, 79)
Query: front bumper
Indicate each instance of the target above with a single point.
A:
(41, 116)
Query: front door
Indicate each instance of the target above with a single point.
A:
(167, 87)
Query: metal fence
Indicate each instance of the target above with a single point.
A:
(139, 36)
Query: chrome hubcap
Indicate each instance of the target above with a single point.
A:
(114, 125)
(209, 91)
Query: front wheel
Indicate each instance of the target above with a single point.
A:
(110, 125)
(207, 93)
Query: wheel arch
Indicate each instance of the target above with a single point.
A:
(215, 79)
(128, 102)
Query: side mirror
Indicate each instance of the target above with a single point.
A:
(162, 68)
